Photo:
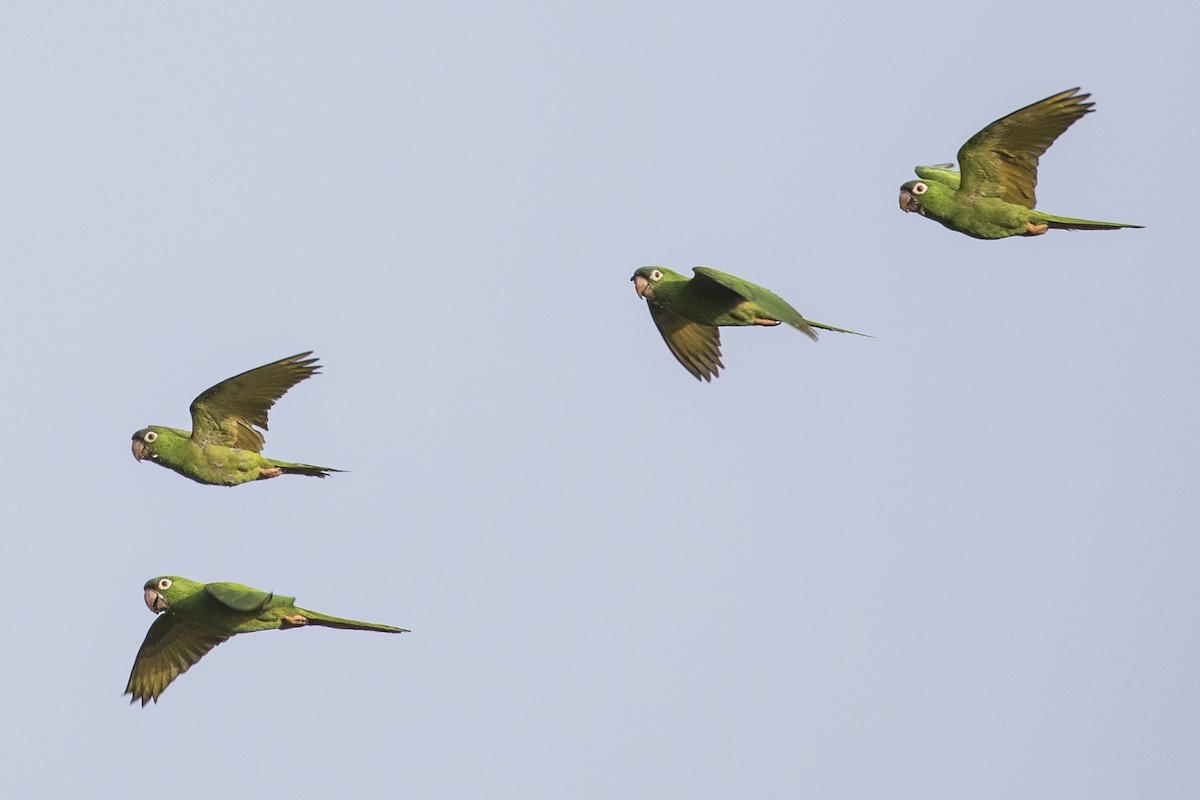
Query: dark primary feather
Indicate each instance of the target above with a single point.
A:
(224, 414)
(1002, 159)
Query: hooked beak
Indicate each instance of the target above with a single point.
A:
(155, 601)
(908, 202)
(139, 449)
(642, 286)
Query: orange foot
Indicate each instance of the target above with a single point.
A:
(1036, 230)
(269, 472)
(295, 621)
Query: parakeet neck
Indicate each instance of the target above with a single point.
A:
(938, 202)
(669, 290)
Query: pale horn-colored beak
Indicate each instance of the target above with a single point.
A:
(155, 601)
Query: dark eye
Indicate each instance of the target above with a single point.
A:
(656, 275)
(149, 437)
(164, 583)
(919, 188)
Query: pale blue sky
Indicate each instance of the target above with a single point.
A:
(956, 560)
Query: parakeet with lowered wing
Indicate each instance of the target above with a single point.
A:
(193, 618)
(223, 447)
(992, 197)
(689, 311)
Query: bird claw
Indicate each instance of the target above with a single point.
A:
(294, 621)
(1036, 230)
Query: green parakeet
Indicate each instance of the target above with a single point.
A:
(193, 618)
(992, 197)
(223, 447)
(688, 312)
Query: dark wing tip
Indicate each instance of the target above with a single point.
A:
(143, 694)
(1071, 99)
(302, 363)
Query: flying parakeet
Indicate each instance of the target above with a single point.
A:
(993, 195)
(196, 617)
(223, 448)
(688, 312)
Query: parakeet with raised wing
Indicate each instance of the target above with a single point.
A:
(193, 618)
(223, 448)
(991, 196)
(690, 311)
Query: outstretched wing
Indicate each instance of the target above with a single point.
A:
(768, 301)
(227, 413)
(236, 597)
(172, 645)
(696, 346)
(1002, 159)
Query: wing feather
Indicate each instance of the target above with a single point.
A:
(227, 414)
(775, 306)
(172, 645)
(1002, 159)
(696, 346)
(237, 597)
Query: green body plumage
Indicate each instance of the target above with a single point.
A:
(993, 197)
(216, 464)
(223, 447)
(196, 617)
(689, 312)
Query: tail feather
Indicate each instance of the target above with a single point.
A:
(1070, 224)
(825, 327)
(304, 469)
(326, 621)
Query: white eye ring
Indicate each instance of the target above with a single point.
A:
(656, 275)
(164, 583)
(149, 437)
(919, 188)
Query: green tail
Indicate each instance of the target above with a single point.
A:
(326, 621)
(1067, 223)
(303, 469)
(825, 327)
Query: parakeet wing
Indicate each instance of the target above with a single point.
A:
(770, 302)
(696, 346)
(172, 645)
(237, 597)
(225, 413)
(944, 174)
(1002, 159)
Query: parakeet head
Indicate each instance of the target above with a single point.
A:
(164, 590)
(646, 278)
(910, 196)
(144, 443)
(156, 592)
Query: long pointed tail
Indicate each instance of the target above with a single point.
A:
(326, 621)
(1070, 224)
(304, 469)
(825, 327)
